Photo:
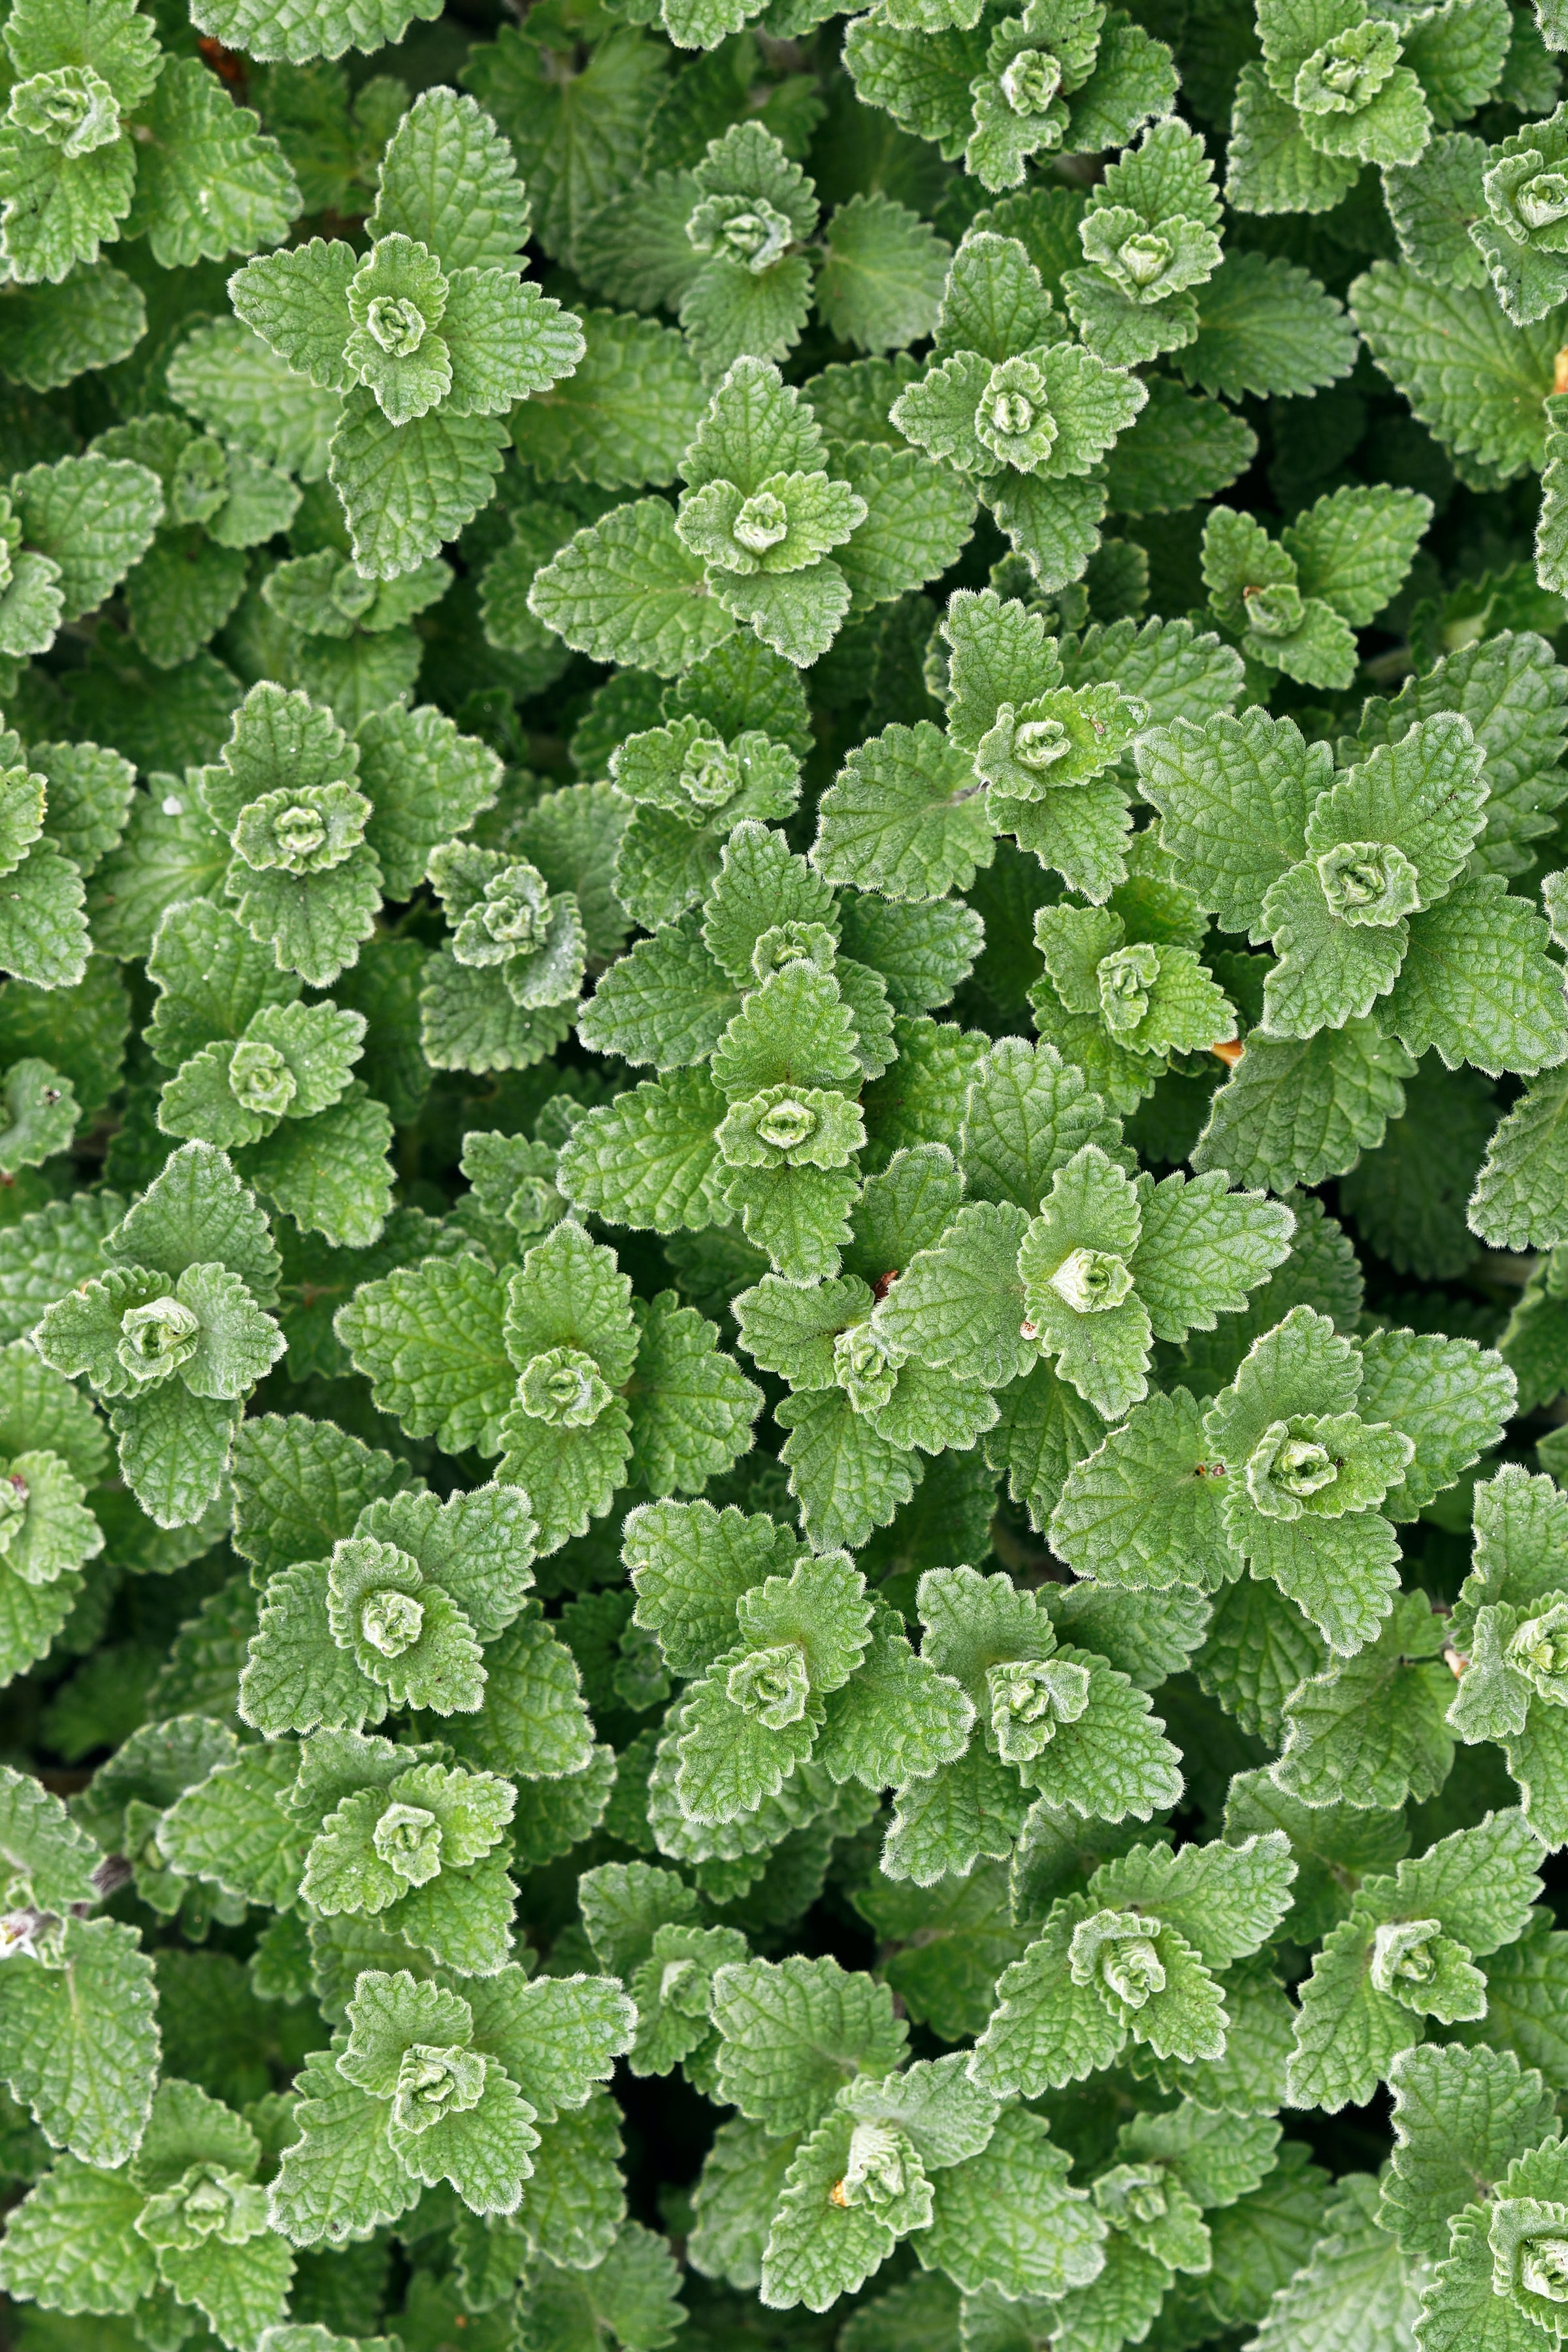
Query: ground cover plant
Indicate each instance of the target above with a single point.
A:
(784, 1176)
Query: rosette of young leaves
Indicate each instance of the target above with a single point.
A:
(513, 1182)
(304, 879)
(252, 1066)
(393, 1834)
(173, 1334)
(1108, 1265)
(429, 2085)
(652, 1158)
(752, 212)
(1155, 2220)
(105, 136)
(183, 2224)
(1360, 883)
(291, 1063)
(430, 336)
(1254, 596)
(1045, 763)
(761, 512)
(785, 1128)
(1055, 51)
(1150, 235)
(1294, 604)
(1523, 235)
(757, 1713)
(841, 1686)
(1298, 1468)
(791, 1146)
(1057, 1724)
(865, 1414)
(571, 1333)
(833, 2157)
(1112, 1264)
(1512, 1683)
(1505, 1641)
(1134, 1959)
(1407, 1952)
(672, 1991)
(866, 2176)
(1122, 1008)
(1172, 2169)
(912, 813)
(1011, 403)
(1339, 86)
(345, 639)
(748, 545)
(690, 789)
(398, 1616)
(555, 1368)
(1505, 2275)
(517, 949)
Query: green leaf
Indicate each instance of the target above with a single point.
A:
(958, 1307)
(1371, 1730)
(1296, 1111)
(974, 2235)
(340, 2175)
(73, 2242)
(93, 516)
(431, 1338)
(51, 339)
(1265, 326)
(1514, 1203)
(407, 488)
(846, 1476)
(1477, 985)
(631, 2291)
(794, 2032)
(207, 183)
(943, 1825)
(1460, 2118)
(1474, 379)
(80, 2042)
(1180, 448)
(1354, 547)
(691, 1408)
(1138, 1512)
(594, 425)
(1356, 2282)
(881, 284)
(42, 1846)
(300, 1485)
(919, 518)
(903, 817)
(225, 1829)
(627, 590)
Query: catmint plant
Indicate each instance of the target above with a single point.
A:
(783, 1278)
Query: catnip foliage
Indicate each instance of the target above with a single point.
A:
(784, 1176)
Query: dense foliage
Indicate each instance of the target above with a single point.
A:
(784, 1176)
